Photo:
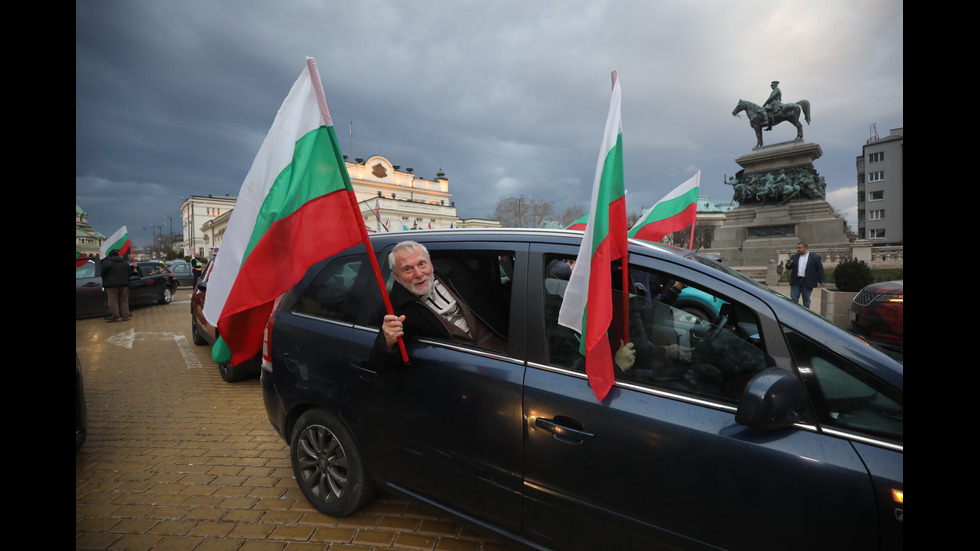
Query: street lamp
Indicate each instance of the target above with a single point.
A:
(171, 232)
(153, 228)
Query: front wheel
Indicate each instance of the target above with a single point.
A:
(328, 465)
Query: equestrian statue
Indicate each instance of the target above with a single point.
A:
(773, 112)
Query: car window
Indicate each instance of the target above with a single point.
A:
(674, 349)
(490, 272)
(85, 271)
(335, 293)
(845, 396)
(147, 270)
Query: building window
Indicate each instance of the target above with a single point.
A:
(876, 233)
(876, 157)
(876, 195)
(876, 214)
(876, 176)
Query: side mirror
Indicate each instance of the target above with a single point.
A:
(202, 285)
(773, 399)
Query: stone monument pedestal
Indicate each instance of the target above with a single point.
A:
(752, 235)
(782, 203)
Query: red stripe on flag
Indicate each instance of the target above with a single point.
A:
(322, 227)
(654, 231)
(599, 314)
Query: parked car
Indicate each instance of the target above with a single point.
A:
(90, 297)
(206, 334)
(771, 428)
(698, 303)
(877, 312)
(81, 409)
(152, 281)
(182, 272)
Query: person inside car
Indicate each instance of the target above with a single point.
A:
(441, 301)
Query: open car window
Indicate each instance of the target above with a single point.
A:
(675, 349)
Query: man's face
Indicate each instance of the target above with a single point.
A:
(414, 271)
(800, 249)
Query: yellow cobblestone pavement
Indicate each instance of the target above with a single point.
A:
(178, 459)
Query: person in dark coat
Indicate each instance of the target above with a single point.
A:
(115, 279)
(435, 301)
(805, 273)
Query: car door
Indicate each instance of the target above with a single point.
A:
(447, 427)
(90, 297)
(661, 462)
(149, 285)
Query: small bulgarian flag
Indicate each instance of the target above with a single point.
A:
(296, 207)
(579, 224)
(118, 240)
(676, 211)
(588, 304)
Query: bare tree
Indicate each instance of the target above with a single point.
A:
(572, 214)
(703, 236)
(522, 212)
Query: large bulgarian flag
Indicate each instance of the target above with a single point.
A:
(118, 240)
(295, 208)
(587, 307)
(676, 211)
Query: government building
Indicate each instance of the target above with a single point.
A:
(390, 199)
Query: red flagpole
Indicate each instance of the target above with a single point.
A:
(318, 86)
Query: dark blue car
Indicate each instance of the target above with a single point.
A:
(769, 428)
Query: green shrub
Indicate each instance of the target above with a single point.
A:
(852, 275)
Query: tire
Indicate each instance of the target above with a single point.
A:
(328, 465)
(699, 313)
(231, 373)
(198, 339)
(167, 296)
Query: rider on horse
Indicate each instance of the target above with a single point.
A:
(774, 103)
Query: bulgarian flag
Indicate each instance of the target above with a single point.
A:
(295, 208)
(118, 240)
(674, 212)
(587, 307)
(579, 224)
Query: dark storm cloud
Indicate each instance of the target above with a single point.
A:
(174, 98)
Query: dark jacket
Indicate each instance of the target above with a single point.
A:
(115, 272)
(490, 330)
(813, 274)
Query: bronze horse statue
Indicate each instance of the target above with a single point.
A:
(789, 112)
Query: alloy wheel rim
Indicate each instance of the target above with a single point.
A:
(322, 463)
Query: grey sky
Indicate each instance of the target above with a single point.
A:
(174, 98)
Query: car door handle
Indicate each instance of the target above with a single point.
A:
(366, 374)
(92, 284)
(561, 430)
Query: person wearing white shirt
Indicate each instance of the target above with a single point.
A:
(806, 273)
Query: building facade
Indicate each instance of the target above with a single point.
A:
(196, 211)
(88, 241)
(390, 199)
(880, 189)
